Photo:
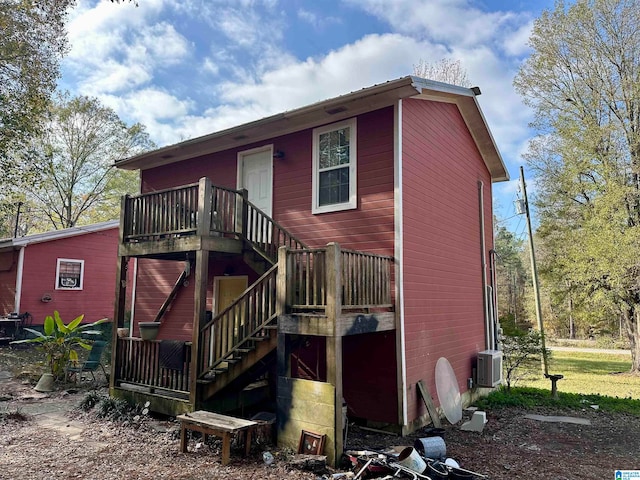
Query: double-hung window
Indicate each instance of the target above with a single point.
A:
(334, 167)
(69, 274)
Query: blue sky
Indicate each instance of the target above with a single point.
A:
(186, 68)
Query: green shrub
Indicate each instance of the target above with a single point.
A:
(522, 354)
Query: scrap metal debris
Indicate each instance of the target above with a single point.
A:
(387, 465)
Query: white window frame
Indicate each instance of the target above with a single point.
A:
(70, 260)
(353, 155)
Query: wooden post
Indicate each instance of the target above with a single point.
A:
(199, 314)
(333, 264)
(242, 212)
(204, 207)
(125, 219)
(118, 314)
(333, 269)
(281, 282)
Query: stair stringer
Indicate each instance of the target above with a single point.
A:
(221, 380)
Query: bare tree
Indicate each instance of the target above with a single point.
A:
(82, 140)
(445, 70)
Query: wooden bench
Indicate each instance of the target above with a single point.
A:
(223, 426)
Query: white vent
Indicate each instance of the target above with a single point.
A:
(489, 368)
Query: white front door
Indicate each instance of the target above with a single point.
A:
(256, 175)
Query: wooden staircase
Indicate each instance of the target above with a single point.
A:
(245, 332)
(320, 291)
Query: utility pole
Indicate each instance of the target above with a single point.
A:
(15, 229)
(534, 274)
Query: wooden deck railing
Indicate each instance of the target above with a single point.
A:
(138, 363)
(363, 279)
(366, 279)
(202, 209)
(306, 287)
(231, 330)
(165, 212)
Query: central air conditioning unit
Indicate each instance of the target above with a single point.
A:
(489, 370)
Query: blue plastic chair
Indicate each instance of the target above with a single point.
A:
(91, 364)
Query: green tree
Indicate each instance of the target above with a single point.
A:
(81, 141)
(32, 44)
(583, 82)
(510, 278)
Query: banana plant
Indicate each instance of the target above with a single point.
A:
(60, 341)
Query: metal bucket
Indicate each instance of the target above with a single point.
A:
(410, 459)
(431, 447)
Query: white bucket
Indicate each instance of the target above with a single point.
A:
(412, 460)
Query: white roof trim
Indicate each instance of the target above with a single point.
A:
(58, 234)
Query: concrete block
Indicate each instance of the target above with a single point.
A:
(477, 422)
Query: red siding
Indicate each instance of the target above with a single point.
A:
(369, 227)
(443, 295)
(95, 300)
(8, 268)
(156, 279)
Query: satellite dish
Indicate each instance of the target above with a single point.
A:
(448, 391)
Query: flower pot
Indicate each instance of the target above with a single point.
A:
(123, 332)
(45, 384)
(149, 330)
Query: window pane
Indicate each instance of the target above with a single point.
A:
(333, 148)
(69, 276)
(334, 186)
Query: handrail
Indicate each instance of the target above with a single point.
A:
(203, 208)
(264, 233)
(153, 215)
(237, 324)
(364, 279)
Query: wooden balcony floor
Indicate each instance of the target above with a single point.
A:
(176, 246)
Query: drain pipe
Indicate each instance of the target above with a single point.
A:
(483, 260)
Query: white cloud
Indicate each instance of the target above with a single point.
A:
(451, 21)
(241, 70)
(116, 48)
(516, 42)
(318, 22)
(375, 58)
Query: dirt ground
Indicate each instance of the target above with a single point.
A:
(43, 436)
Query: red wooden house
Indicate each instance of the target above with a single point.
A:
(327, 254)
(71, 271)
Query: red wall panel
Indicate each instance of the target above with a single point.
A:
(155, 281)
(370, 227)
(443, 295)
(8, 269)
(95, 300)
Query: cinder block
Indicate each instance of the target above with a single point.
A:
(476, 424)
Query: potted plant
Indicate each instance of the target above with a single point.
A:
(149, 330)
(59, 342)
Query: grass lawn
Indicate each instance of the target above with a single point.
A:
(589, 373)
(589, 379)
